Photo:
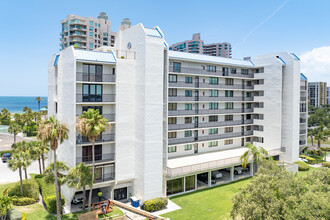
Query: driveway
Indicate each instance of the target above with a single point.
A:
(6, 140)
(9, 176)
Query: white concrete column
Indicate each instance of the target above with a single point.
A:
(195, 181)
(184, 184)
(231, 173)
(251, 168)
(209, 178)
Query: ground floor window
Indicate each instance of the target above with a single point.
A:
(190, 182)
(120, 194)
(174, 186)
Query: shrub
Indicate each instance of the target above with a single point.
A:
(302, 166)
(23, 216)
(22, 201)
(13, 214)
(30, 189)
(325, 148)
(157, 204)
(48, 193)
(311, 160)
(326, 164)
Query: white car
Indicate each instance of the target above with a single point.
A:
(304, 160)
(78, 198)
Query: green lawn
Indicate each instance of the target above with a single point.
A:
(315, 141)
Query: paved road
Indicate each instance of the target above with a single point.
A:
(6, 140)
(9, 176)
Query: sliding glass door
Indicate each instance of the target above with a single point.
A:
(92, 93)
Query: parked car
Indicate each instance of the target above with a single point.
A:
(237, 170)
(78, 198)
(203, 177)
(5, 157)
(304, 160)
(216, 174)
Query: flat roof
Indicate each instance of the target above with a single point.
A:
(208, 59)
(98, 56)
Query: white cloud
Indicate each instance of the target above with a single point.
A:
(315, 64)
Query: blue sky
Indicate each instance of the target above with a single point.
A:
(30, 31)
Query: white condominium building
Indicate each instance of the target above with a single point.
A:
(179, 120)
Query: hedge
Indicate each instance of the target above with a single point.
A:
(30, 189)
(326, 164)
(311, 160)
(325, 148)
(48, 192)
(22, 201)
(302, 166)
(14, 214)
(157, 204)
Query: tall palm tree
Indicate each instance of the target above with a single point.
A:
(14, 128)
(257, 153)
(16, 163)
(27, 118)
(5, 114)
(38, 99)
(321, 134)
(36, 116)
(91, 124)
(80, 177)
(26, 158)
(18, 118)
(38, 151)
(52, 131)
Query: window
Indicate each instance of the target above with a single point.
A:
(187, 120)
(248, 94)
(95, 24)
(171, 121)
(245, 72)
(187, 106)
(229, 105)
(172, 106)
(187, 133)
(229, 93)
(190, 183)
(213, 80)
(213, 93)
(56, 107)
(213, 144)
(91, 29)
(174, 186)
(233, 70)
(172, 78)
(91, 22)
(225, 71)
(229, 82)
(91, 34)
(210, 68)
(229, 117)
(229, 129)
(213, 105)
(213, 118)
(171, 134)
(172, 149)
(92, 73)
(172, 92)
(188, 79)
(85, 108)
(249, 83)
(90, 45)
(187, 147)
(230, 141)
(213, 131)
(188, 93)
(248, 105)
(176, 67)
(92, 93)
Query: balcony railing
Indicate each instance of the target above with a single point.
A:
(303, 99)
(100, 139)
(98, 158)
(303, 131)
(302, 142)
(109, 117)
(206, 72)
(303, 88)
(303, 109)
(105, 177)
(96, 98)
(208, 98)
(208, 124)
(85, 77)
(207, 111)
(180, 84)
(125, 54)
(303, 120)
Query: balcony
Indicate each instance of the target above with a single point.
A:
(205, 72)
(105, 177)
(195, 84)
(87, 77)
(99, 158)
(303, 120)
(303, 99)
(100, 139)
(208, 124)
(208, 111)
(96, 98)
(207, 98)
(303, 88)
(303, 131)
(303, 109)
(109, 117)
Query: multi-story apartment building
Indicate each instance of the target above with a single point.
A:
(328, 95)
(303, 112)
(317, 93)
(179, 120)
(87, 32)
(196, 45)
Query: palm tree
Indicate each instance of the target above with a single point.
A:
(5, 114)
(36, 116)
(80, 177)
(52, 131)
(16, 163)
(321, 134)
(37, 152)
(311, 133)
(38, 99)
(26, 158)
(257, 153)
(14, 128)
(91, 124)
(18, 118)
(27, 118)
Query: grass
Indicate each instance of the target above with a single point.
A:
(309, 141)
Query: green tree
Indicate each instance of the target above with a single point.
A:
(5, 116)
(38, 99)
(257, 154)
(91, 124)
(27, 117)
(16, 163)
(53, 132)
(80, 177)
(311, 133)
(38, 151)
(18, 118)
(14, 128)
(5, 206)
(321, 134)
(26, 158)
(36, 117)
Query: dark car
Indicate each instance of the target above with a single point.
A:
(5, 157)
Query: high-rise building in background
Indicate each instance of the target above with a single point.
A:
(196, 45)
(328, 95)
(317, 93)
(87, 32)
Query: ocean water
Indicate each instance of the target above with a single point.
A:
(15, 104)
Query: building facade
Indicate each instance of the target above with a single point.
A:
(196, 45)
(86, 32)
(328, 95)
(179, 120)
(317, 93)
